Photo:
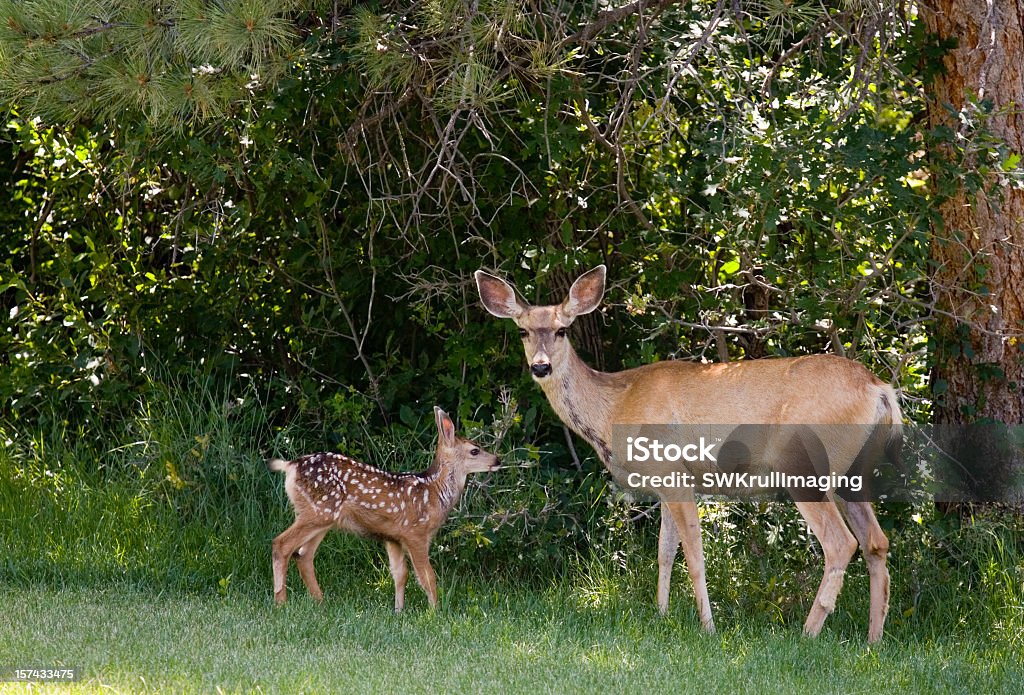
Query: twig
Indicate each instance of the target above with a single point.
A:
(648, 513)
(572, 449)
(325, 262)
(620, 166)
(816, 32)
(721, 344)
(351, 137)
(33, 248)
(614, 16)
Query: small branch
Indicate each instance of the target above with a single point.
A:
(837, 343)
(722, 329)
(620, 166)
(357, 129)
(614, 16)
(648, 513)
(106, 26)
(816, 32)
(681, 68)
(721, 344)
(572, 450)
(325, 261)
(34, 247)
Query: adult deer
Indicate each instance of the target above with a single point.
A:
(816, 389)
(404, 510)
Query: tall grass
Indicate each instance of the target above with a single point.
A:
(178, 498)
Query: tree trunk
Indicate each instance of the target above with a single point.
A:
(978, 248)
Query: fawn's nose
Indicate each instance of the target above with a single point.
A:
(541, 369)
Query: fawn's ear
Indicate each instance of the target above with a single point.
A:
(498, 297)
(445, 426)
(585, 294)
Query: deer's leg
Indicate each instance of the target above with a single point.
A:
(687, 523)
(282, 549)
(304, 560)
(419, 553)
(838, 545)
(668, 543)
(874, 546)
(399, 572)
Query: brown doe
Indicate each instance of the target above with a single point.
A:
(404, 510)
(824, 389)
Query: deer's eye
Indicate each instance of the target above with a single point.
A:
(474, 452)
(523, 332)
(560, 333)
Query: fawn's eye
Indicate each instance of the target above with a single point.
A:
(560, 333)
(523, 332)
(474, 452)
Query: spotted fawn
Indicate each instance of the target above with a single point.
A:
(404, 510)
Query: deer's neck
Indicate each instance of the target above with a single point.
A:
(584, 399)
(445, 485)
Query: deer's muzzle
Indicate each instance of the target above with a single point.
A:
(541, 369)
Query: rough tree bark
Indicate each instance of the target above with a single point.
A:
(979, 247)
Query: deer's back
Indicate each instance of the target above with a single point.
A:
(357, 497)
(809, 389)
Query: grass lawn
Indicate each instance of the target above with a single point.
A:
(134, 640)
(142, 587)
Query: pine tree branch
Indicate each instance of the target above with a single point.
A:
(821, 27)
(102, 27)
(614, 16)
(357, 130)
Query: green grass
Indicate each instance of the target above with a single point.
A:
(127, 640)
(109, 579)
(146, 565)
(136, 641)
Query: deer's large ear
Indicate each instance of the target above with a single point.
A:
(498, 297)
(585, 294)
(445, 426)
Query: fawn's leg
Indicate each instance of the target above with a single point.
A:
(304, 560)
(419, 553)
(399, 572)
(293, 538)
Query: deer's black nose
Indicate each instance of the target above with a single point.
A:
(541, 369)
